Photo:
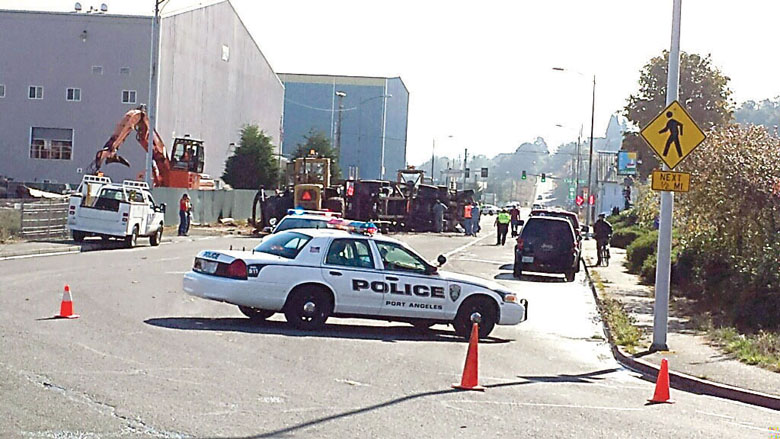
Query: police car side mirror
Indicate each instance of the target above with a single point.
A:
(267, 230)
(161, 208)
(441, 260)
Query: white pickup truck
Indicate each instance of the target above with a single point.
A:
(126, 211)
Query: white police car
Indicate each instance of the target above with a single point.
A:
(311, 274)
(303, 219)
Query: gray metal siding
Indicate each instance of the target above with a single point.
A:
(46, 49)
(396, 127)
(206, 97)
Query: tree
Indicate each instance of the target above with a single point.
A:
(703, 91)
(766, 113)
(252, 165)
(320, 144)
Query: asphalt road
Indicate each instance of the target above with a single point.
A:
(146, 360)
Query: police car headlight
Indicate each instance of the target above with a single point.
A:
(510, 298)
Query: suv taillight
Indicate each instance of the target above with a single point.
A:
(520, 243)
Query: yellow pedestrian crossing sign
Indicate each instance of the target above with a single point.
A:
(673, 134)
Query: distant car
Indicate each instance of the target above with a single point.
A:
(490, 209)
(547, 244)
(537, 206)
(539, 197)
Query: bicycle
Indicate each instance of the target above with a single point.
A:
(605, 254)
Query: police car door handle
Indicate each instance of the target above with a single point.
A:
(335, 273)
(393, 278)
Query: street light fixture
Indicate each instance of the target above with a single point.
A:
(589, 212)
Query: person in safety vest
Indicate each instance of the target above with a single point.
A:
(467, 220)
(502, 226)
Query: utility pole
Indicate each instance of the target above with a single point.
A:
(152, 107)
(663, 267)
(577, 171)
(433, 158)
(465, 165)
(341, 95)
(589, 213)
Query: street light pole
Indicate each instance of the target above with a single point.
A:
(465, 165)
(152, 107)
(663, 266)
(341, 96)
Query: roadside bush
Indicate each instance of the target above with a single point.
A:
(10, 223)
(647, 272)
(623, 237)
(626, 218)
(639, 250)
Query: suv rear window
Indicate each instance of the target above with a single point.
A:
(547, 230)
(301, 223)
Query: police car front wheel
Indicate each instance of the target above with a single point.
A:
(485, 308)
(308, 308)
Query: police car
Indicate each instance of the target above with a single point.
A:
(303, 219)
(312, 274)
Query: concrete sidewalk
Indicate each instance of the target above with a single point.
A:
(690, 351)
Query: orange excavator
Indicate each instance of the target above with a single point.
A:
(182, 170)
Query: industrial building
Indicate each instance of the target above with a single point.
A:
(372, 111)
(66, 79)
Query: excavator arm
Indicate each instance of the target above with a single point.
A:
(134, 120)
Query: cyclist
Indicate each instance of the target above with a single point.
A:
(602, 231)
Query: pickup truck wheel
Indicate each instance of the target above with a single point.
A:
(482, 305)
(255, 314)
(156, 239)
(131, 239)
(78, 236)
(308, 308)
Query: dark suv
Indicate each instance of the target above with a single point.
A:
(547, 244)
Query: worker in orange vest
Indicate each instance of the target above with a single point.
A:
(467, 220)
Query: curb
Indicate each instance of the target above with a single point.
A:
(679, 380)
(41, 252)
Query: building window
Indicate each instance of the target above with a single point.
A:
(124, 71)
(97, 70)
(2, 90)
(73, 94)
(51, 143)
(128, 96)
(36, 92)
(225, 53)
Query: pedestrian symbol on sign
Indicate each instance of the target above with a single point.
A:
(675, 129)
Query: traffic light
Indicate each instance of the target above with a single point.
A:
(467, 172)
(523, 177)
(544, 177)
(484, 172)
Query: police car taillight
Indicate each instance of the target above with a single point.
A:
(236, 269)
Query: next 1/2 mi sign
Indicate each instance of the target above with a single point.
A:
(671, 181)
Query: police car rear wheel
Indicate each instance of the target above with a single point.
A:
(486, 310)
(308, 308)
(255, 314)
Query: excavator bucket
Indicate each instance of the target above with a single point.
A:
(117, 159)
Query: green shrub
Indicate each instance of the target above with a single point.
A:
(10, 223)
(641, 249)
(623, 237)
(647, 272)
(626, 218)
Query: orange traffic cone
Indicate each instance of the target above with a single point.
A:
(470, 378)
(66, 307)
(662, 385)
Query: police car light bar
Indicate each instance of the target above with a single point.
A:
(365, 228)
(298, 211)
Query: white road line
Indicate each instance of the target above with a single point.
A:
(175, 272)
(169, 259)
(542, 404)
(465, 246)
(36, 255)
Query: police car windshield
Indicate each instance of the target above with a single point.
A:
(286, 245)
(301, 223)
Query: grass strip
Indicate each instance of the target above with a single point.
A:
(760, 349)
(621, 324)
